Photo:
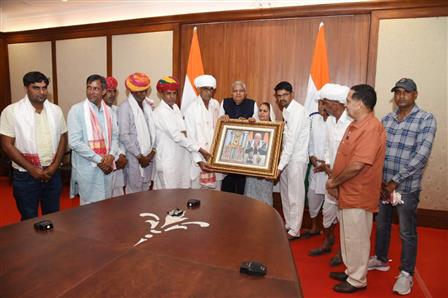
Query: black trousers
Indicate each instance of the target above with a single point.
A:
(234, 183)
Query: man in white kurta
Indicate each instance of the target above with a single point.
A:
(317, 177)
(294, 158)
(93, 138)
(120, 162)
(200, 120)
(174, 149)
(334, 98)
(137, 133)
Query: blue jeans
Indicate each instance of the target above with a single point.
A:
(407, 216)
(29, 192)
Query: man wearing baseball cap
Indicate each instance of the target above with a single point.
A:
(410, 135)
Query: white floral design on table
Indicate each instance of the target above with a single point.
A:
(171, 223)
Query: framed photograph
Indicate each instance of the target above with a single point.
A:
(245, 148)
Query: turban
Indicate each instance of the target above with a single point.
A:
(167, 84)
(111, 83)
(205, 81)
(137, 82)
(334, 92)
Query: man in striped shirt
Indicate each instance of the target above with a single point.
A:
(410, 135)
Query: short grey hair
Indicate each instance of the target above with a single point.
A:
(239, 83)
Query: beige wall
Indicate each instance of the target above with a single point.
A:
(418, 48)
(26, 57)
(76, 60)
(150, 53)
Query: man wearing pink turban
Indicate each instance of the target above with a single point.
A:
(173, 160)
(117, 175)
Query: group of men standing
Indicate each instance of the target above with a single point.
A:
(130, 146)
(126, 149)
(361, 166)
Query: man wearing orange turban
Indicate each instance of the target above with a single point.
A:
(137, 133)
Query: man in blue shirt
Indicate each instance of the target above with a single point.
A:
(93, 139)
(410, 135)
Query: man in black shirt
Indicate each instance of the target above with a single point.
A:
(237, 107)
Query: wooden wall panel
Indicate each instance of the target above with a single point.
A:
(5, 89)
(262, 53)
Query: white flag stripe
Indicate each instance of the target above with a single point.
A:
(188, 95)
(311, 95)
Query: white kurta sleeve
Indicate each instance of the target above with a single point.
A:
(221, 109)
(327, 154)
(289, 136)
(311, 151)
(115, 145)
(190, 125)
(174, 132)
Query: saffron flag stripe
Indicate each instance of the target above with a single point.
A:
(319, 73)
(194, 69)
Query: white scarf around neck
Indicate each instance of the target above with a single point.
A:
(24, 112)
(142, 125)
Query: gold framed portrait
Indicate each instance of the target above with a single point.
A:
(245, 148)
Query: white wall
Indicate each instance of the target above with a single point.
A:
(150, 53)
(26, 57)
(76, 60)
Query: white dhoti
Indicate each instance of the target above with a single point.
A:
(330, 211)
(292, 190)
(315, 201)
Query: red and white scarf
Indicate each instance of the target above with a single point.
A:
(99, 140)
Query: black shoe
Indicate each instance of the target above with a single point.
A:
(346, 287)
(319, 251)
(341, 276)
(310, 233)
(336, 261)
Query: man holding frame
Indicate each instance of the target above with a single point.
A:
(294, 158)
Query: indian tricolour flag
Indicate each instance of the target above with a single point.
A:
(319, 75)
(194, 69)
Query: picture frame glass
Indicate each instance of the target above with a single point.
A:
(247, 148)
(244, 147)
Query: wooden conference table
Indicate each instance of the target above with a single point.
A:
(92, 250)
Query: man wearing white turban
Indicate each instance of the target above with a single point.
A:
(334, 97)
(200, 120)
